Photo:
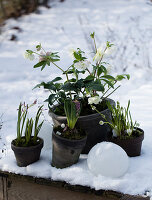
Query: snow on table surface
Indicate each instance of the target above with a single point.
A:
(126, 23)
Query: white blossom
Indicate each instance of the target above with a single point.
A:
(94, 100)
(63, 125)
(71, 52)
(29, 56)
(109, 69)
(129, 131)
(58, 133)
(115, 132)
(101, 122)
(48, 53)
(110, 50)
(99, 54)
(137, 124)
(82, 65)
(42, 56)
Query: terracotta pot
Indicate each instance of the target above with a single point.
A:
(90, 124)
(27, 155)
(65, 152)
(132, 146)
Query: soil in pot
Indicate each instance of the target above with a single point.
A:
(131, 145)
(66, 152)
(27, 155)
(90, 123)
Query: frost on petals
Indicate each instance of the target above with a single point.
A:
(82, 65)
(29, 56)
(94, 100)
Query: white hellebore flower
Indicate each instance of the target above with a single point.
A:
(101, 123)
(63, 125)
(99, 54)
(82, 65)
(110, 50)
(94, 100)
(29, 56)
(71, 52)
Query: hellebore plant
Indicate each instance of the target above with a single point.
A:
(121, 123)
(95, 81)
(25, 126)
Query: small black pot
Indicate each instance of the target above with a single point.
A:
(90, 124)
(132, 146)
(65, 152)
(27, 155)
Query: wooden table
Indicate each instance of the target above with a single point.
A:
(19, 187)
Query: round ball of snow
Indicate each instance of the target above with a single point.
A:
(108, 159)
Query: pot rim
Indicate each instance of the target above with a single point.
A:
(135, 139)
(67, 140)
(33, 147)
(81, 117)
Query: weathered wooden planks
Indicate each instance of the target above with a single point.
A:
(19, 187)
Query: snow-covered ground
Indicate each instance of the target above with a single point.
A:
(127, 24)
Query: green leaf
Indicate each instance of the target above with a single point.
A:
(99, 71)
(68, 87)
(39, 85)
(123, 76)
(29, 51)
(56, 79)
(103, 69)
(77, 55)
(71, 112)
(89, 78)
(43, 66)
(108, 82)
(108, 77)
(55, 60)
(96, 87)
(39, 64)
(50, 86)
(51, 99)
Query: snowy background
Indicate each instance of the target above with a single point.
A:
(127, 24)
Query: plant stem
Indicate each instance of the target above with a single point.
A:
(107, 90)
(95, 45)
(58, 67)
(112, 91)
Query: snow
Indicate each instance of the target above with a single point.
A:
(127, 24)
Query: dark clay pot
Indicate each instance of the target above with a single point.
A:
(27, 155)
(131, 146)
(65, 152)
(90, 124)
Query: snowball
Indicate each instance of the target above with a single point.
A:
(108, 159)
